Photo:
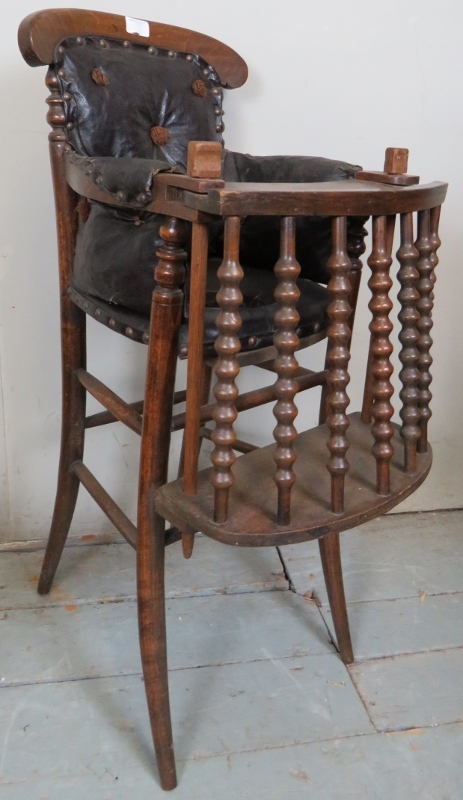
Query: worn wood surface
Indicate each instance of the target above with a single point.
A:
(387, 178)
(195, 391)
(381, 348)
(165, 320)
(40, 32)
(337, 198)
(118, 408)
(204, 160)
(252, 518)
(337, 360)
(226, 369)
(285, 365)
(396, 160)
(73, 343)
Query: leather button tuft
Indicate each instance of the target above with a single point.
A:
(199, 88)
(159, 135)
(99, 77)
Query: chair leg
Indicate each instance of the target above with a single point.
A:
(73, 330)
(151, 545)
(150, 566)
(330, 553)
(166, 316)
(153, 645)
(151, 540)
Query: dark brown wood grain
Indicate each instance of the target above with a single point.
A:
(396, 160)
(425, 266)
(355, 249)
(330, 554)
(386, 177)
(380, 306)
(199, 249)
(204, 160)
(168, 191)
(252, 520)
(254, 398)
(285, 365)
(236, 501)
(409, 375)
(227, 345)
(119, 409)
(369, 377)
(166, 316)
(338, 198)
(337, 360)
(73, 345)
(106, 418)
(106, 503)
(395, 169)
(42, 31)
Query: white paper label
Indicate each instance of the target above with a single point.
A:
(138, 26)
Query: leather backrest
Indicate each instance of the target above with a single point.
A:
(129, 99)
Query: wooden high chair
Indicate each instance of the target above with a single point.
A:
(148, 205)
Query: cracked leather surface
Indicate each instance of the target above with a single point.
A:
(127, 180)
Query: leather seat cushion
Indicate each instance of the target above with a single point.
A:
(116, 247)
(116, 254)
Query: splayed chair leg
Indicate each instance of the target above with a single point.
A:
(72, 438)
(330, 553)
(166, 317)
(152, 631)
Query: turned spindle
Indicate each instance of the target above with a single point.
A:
(380, 306)
(227, 345)
(356, 233)
(337, 358)
(427, 243)
(369, 380)
(285, 365)
(409, 375)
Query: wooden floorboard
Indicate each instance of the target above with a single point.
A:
(262, 705)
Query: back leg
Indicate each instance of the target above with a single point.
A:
(73, 330)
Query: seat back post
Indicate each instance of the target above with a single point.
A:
(73, 342)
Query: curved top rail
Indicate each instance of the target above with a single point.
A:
(335, 198)
(42, 31)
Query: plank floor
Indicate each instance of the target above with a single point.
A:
(262, 706)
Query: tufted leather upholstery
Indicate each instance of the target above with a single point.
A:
(142, 88)
(130, 112)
